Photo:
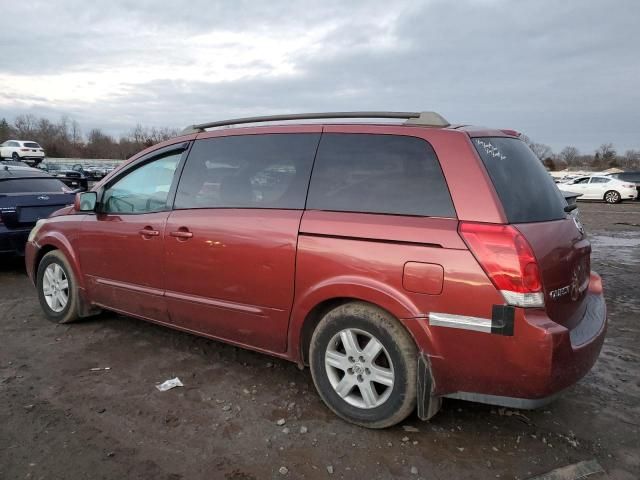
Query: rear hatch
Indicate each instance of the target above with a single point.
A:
(25, 200)
(31, 148)
(534, 205)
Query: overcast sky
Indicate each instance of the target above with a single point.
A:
(565, 73)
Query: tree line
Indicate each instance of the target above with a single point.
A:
(65, 139)
(603, 158)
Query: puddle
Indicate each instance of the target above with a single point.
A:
(623, 249)
(607, 241)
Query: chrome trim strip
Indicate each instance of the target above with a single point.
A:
(216, 303)
(129, 286)
(460, 321)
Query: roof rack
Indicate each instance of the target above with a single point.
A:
(431, 119)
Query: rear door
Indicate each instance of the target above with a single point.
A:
(534, 205)
(121, 246)
(598, 186)
(231, 239)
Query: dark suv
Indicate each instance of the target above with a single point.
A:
(402, 263)
(631, 177)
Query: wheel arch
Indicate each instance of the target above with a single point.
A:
(54, 241)
(309, 310)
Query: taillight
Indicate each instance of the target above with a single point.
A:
(508, 260)
(24, 149)
(629, 185)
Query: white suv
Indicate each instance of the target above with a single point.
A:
(22, 150)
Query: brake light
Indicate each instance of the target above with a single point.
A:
(628, 185)
(24, 149)
(508, 260)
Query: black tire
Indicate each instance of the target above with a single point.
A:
(15, 156)
(398, 347)
(612, 197)
(70, 311)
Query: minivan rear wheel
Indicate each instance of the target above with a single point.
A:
(364, 364)
(612, 197)
(57, 288)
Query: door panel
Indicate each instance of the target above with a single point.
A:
(121, 249)
(233, 278)
(123, 266)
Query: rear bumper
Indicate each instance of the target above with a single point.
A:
(525, 370)
(629, 194)
(13, 241)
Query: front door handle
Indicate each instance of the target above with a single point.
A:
(149, 232)
(182, 233)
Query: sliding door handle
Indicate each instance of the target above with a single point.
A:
(182, 233)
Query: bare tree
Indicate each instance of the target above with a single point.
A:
(631, 159)
(25, 125)
(605, 156)
(570, 155)
(540, 150)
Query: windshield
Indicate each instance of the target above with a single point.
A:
(526, 190)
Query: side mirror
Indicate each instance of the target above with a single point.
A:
(85, 202)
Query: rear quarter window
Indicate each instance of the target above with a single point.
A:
(525, 188)
(372, 173)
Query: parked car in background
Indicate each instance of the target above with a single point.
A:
(403, 263)
(15, 164)
(98, 172)
(22, 150)
(629, 177)
(600, 187)
(72, 176)
(27, 195)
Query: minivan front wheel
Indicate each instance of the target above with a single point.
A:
(612, 197)
(363, 364)
(57, 288)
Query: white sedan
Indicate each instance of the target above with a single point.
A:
(597, 187)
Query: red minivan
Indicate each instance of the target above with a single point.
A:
(402, 262)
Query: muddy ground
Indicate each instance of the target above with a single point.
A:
(61, 419)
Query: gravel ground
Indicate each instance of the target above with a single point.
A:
(79, 401)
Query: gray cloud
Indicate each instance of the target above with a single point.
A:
(563, 72)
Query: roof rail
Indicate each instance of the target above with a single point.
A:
(431, 119)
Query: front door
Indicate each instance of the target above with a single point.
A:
(121, 246)
(231, 238)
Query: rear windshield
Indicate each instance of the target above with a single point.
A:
(31, 145)
(526, 190)
(33, 185)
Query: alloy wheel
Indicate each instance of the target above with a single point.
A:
(359, 368)
(55, 287)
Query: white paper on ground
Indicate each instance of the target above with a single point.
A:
(169, 384)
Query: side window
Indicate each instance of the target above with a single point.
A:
(599, 180)
(143, 190)
(248, 171)
(581, 180)
(378, 174)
